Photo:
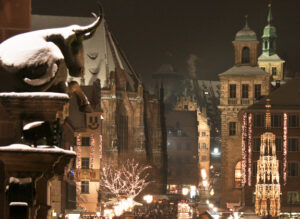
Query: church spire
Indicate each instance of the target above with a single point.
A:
(246, 21)
(269, 18)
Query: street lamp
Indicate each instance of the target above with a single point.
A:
(98, 214)
(185, 191)
(148, 198)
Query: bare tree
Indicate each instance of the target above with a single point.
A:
(126, 180)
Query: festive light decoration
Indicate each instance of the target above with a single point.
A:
(100, 147)
(78, 151)
(244, 152)
(285, 131)
(249, 149)
(127, 180)
(267, 187)
(92, 150)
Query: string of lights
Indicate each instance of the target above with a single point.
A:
(78, 151)
(244, 152)
(285, 130)
(92, 150)
(249, 148)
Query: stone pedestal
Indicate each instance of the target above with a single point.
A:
(39, 163)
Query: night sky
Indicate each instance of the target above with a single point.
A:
(156, 32)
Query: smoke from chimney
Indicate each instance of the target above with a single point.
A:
(191, 62)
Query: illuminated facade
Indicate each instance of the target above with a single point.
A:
(284, 136)
(241, 86)
(269, 61)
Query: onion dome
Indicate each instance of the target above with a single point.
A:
(245, 34)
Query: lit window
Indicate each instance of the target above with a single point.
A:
(238, 175)
(85, 187)
(274, 71)
(179, 132)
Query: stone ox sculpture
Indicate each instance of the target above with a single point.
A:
(39, 61)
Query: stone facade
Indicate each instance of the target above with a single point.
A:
(241, 86)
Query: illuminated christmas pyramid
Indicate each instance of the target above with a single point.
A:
(267, 188)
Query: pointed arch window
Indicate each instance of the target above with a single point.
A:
(245, 55)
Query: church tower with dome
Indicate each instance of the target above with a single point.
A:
(241, 86)
(269, 61)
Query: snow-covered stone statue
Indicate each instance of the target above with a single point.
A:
(39, 61)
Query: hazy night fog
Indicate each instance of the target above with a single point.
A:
(157, 32)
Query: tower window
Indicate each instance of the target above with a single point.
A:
(266, 45)
(257, 91)
(232, 91)
(232, 128)
(245, 90)
(245, 55)
(274, 71)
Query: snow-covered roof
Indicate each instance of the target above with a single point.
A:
(39, 149)
(35, 95)
(102, 55)
(244, 71)
(271, 58)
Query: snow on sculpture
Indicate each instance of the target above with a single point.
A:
(40, 60)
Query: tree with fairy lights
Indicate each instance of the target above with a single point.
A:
(126, 180)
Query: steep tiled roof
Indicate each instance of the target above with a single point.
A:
(285, 97)
(244, 71)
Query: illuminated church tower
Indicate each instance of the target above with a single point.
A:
(269, 61)
(267, 188)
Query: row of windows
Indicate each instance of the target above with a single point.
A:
(274, 70)
(259, 121)
(292, 171)
(245, 91)
(276, 120)
(293, 144)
